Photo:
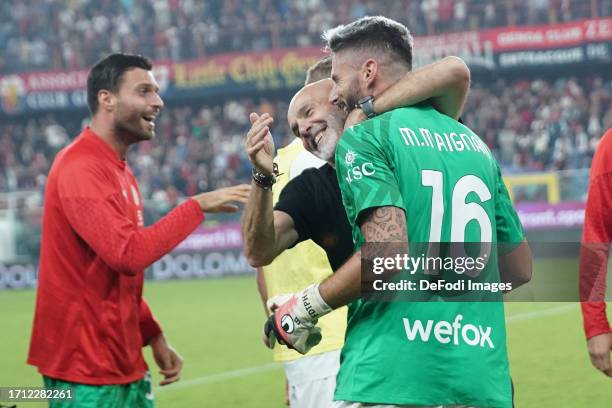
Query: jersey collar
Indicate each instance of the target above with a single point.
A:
(103, 147)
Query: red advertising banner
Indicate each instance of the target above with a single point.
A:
(549, 36)
(267, 70)
(36, 91)
(75, 80)
(469, 45)
(485, 48)
(239, 73)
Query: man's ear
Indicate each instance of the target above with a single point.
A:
(106, 100)
(369, 72)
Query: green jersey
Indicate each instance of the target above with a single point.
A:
(450, 187)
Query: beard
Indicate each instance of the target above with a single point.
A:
(353, 94)
(326, 149)
(131, 127)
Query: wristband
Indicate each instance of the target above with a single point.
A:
(313, 304)
(263, 180)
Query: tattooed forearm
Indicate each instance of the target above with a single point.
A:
(385, 233)
(385, 224)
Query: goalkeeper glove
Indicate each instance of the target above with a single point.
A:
(293, 323)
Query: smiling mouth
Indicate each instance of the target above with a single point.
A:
(319, 136)
(150, 119)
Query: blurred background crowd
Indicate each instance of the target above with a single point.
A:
(61, 34)
(530, 125)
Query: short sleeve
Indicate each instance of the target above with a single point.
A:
(508, 225)
(365, 173)
(291, 201)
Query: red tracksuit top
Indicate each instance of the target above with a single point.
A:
(596, 238)
(91, 321)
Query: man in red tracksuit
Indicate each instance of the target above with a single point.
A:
(596, 238)
(91, 321)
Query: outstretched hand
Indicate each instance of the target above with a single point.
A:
(223, 199)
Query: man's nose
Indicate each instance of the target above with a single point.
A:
(158, 102)
(304, 129)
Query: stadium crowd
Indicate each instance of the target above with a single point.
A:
(529, 124)
(63, 34)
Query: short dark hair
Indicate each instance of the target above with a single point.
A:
(319, 70)
(377, 33)
(108, 73)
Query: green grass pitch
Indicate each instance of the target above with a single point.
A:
(216, 325)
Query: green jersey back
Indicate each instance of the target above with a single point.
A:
(450, 187)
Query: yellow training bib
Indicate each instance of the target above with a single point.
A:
(304, 264)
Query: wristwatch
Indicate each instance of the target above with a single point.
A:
(367, 106)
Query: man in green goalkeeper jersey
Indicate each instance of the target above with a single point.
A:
(410, 173)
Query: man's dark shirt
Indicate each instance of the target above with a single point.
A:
(314, 201)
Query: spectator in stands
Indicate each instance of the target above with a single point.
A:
(56, 34)
(529, 125)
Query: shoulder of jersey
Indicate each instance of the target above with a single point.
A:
(606, 139)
